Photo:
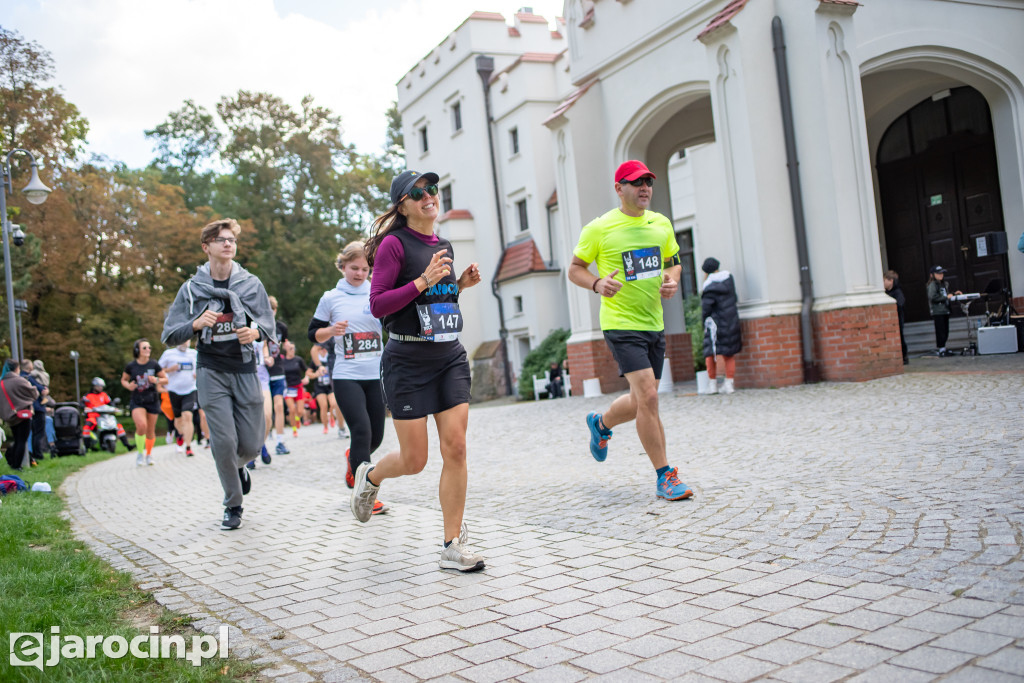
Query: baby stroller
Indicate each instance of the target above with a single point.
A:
(67, 424)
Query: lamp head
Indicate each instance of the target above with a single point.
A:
(36, 192)
(17, 235)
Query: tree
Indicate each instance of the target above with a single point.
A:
(35, 117)
(188, 144)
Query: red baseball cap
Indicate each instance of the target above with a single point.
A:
(631, 170)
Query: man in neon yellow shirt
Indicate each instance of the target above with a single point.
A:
(637, 266)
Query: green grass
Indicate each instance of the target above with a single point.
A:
(48, 578)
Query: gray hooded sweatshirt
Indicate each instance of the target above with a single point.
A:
(198, 294)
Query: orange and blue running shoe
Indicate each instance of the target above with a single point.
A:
(598, 437)
(670, 488)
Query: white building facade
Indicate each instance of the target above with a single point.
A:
(444, 120)
(909, 143)
(908, 134)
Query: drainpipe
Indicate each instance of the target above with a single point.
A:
(810, 366)
(484, 68)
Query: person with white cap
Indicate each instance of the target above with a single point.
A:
(938, 304)
(638, 265)
(424, 367)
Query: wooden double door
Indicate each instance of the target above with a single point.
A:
(939, 191)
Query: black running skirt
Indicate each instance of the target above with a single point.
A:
(424, 378)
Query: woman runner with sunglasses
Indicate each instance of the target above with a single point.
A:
(424, 369)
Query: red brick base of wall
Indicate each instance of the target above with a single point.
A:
(591, 359)
(850, 345)
(856, 344)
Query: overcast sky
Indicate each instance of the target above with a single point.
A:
(127, 63)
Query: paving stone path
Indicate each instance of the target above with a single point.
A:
(866, 531)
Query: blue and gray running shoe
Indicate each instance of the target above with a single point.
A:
(265, 455)
(598, 437)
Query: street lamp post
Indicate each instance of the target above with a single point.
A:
(78, 395)
(36, 192)
(21, 306)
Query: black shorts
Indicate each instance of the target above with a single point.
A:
(322, 389)
(424, 378)
(152, 405)
(637, 350)
(183, 402)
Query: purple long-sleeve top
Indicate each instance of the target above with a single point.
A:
(384, 298)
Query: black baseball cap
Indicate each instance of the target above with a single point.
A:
(938, 269)
(404, 181)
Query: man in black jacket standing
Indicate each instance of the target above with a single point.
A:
(891, 280)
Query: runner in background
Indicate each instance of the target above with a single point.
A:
(343, 320)
(277, 379)
(179, 362)
(295, 378)
(142, 377)
(320, 377)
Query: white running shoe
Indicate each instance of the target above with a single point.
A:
(459, 556)
(363, 495)
(712, 386)
(149, 459)
(140, 459)
(727, 387)
(342, 433)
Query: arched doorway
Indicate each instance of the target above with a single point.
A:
(939, 190)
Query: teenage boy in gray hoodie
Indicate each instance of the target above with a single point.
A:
(228, 308)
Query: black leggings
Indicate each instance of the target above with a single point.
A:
(941, 330)
(16, 449)
(362, 405)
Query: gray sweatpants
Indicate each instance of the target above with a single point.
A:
(234, 412)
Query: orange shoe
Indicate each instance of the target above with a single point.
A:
(379, 508)
(350, 479)
(325, 429)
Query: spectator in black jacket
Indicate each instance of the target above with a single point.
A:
(891, 280)
(722, 336)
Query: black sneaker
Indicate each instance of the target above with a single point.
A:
(232, 518)
(243, 474)
(265, 455)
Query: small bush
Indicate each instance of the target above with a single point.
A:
(551, 350)
(695, 326)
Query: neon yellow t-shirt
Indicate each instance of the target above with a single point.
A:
(637, 247)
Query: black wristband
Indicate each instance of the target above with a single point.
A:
(594, 286)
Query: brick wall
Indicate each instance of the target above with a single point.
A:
(856, 344)
(771, 355)
(679, 351)
(593, 359)
(851, 345)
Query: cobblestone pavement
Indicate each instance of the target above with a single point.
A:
(864, 531)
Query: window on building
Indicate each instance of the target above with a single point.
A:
(446, 199)
(688, 276)
(456, 117)
(513, 141)
(517, 304)
(524, 223)
(424, 145)
(524, 349)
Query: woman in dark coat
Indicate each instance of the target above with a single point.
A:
(17, 394)
(722, 335)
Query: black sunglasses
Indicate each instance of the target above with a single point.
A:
(417, 193)
(647, 180)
